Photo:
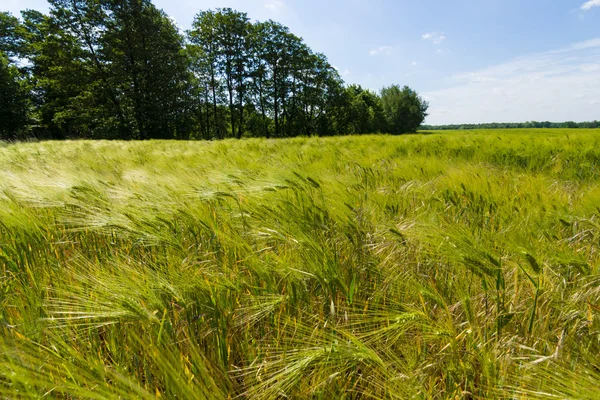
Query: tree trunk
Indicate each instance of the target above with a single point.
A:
(214, 95)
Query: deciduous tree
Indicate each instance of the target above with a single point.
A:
(404, 110)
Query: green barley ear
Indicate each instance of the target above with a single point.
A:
(535, 266)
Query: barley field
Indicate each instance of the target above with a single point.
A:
(459, 265)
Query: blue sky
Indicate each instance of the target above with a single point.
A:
(473, 60)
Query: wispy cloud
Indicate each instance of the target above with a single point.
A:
(382, 51)
(274, 5)
(588, 5)
(343, 73)
(588, 44)
(558, 85)
(434, 37)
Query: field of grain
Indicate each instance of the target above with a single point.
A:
(442, 266)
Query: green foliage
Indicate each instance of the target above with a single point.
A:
(145, 61)
(14, 97)
(404, 110)
(271, 83)
(461, 265)
(62, 84)
(515, 125)
(122, 70)
(219, 56)
(364, 111)
(11, 40)
(14, 104)
(107, 70)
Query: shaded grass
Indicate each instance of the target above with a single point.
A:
(426, 266)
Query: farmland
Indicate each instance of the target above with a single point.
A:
(453, 265)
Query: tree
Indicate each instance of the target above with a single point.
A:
(11, 39)
(120, 69)
(145, 61)
(232, 29)
(258, 74)
(364, 111)
(273, 52)
(94, 100)
(205, 59)
(13, 100)
(323, 89)
(62, 79)
(293, 86)
(404, 110)
(109, 69)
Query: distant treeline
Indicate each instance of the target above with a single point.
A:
(514, 125)
(106, 69)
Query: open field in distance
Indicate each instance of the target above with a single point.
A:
(452, 265)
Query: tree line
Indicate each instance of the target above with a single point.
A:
(515, 125)
(121, 69)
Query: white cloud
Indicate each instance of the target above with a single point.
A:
(588, 5)
(343, 73)
(274, 5)
(414, 63)
(383, 50)
(435, 37)
(588, 44)
(559, 85)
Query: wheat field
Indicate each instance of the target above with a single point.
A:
(433, 266)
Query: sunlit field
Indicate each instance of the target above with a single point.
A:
(442, 266)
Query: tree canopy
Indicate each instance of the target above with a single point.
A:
(14, 104)
(404, 110)
(13, 100)
(123, 70)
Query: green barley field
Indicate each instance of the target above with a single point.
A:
(460, 265)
